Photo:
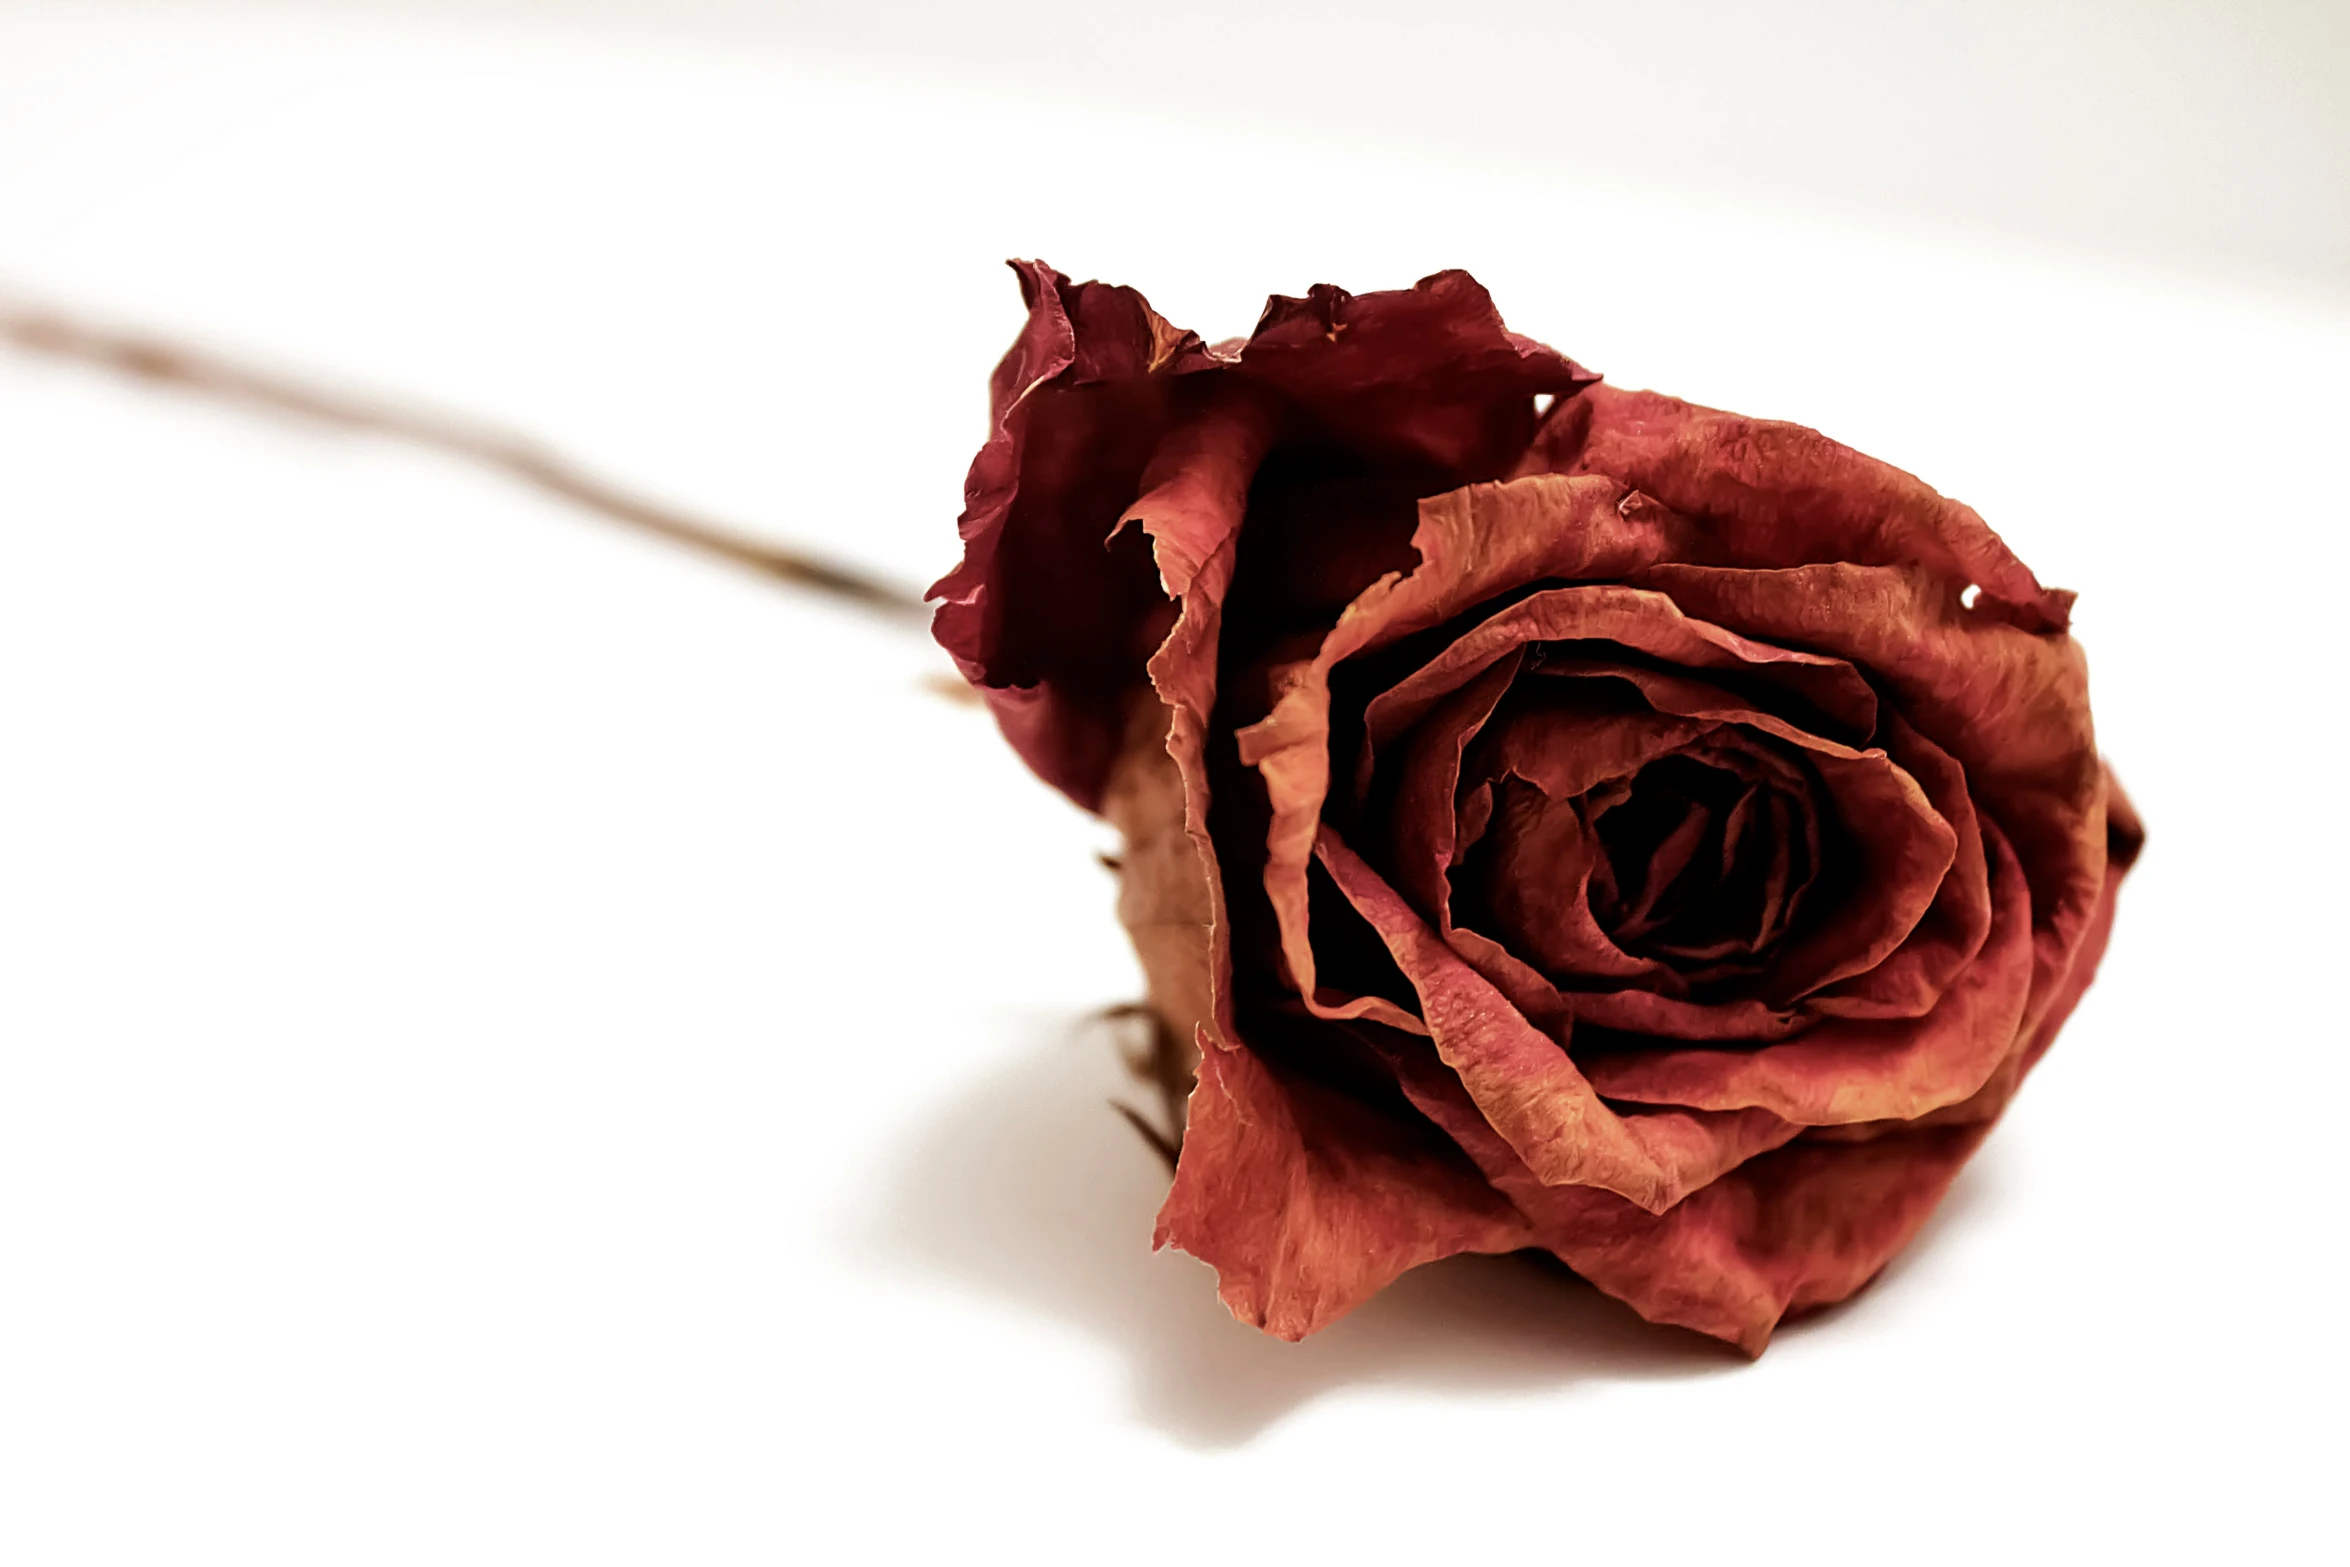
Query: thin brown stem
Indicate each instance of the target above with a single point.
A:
(38, 330)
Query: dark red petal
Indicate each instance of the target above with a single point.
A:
(1053, 628)
(1566, 743)
(1307, 1202)
(1630, 1011)
(1039, 616)
(1846, 1070)
(2052, 1004)
(1904, 847)
(1195, 495)
(1532, 887)
(1422, 821)
(2125, 837)
(1778, 494)
(1533, 875)
(1427, 372)
(1473, 543)
(1650, 622)
(1913, 978)
(1804, 1225)
(2009, 705)
(1670, 1017)
(1523, 1083)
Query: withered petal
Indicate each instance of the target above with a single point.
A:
(1423, 823)
(1779, 494)
(1168, 900)
(1566, 745)
(1846, 1069)
(2049, 1007)
(1649, 622)
(1524, 1084)
(1428, 371)
(1472, 542)
(1307, 1202)
(1904, 846)
(1038, 615)
(2125, 839)
(1194, 498)
(1533, 880)
(1052, 628)
(2009, 705)
(1803, 1224)
(1913, 977)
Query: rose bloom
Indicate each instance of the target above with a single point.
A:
(1560, 817)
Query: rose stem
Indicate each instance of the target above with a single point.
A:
(1165, 1063)
(38, 330)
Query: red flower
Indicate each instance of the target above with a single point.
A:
(1621, 828)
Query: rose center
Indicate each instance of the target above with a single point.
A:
(1699, 861)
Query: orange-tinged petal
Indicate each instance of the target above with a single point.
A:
(1307, 1202)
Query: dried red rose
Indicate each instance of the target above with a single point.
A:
(1618, 828)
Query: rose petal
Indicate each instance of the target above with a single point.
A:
(1583, 752)
(1562, 744)
(1903, 845)
(2048, 1009)
(1804, 1225)
(1847, 1070)
(1742, 852)
(2010, 706)
(1167, 900)
(1905, 848)
(1195, 495)
(1568, 738)
(1524, 1084)
(1473, 543)
(1423, 825)
(1038, 615)
(1532, 886)
(1428, 371)
(1779, 494)
(1829, 689)
(1914, 976)
(1307, 1202)
(1744, 1019)
(1053, 629)
(2125, 837)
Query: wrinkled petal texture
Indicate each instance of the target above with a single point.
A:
(1051, 617)
(1559, 817)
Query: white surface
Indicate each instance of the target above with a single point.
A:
(517, 1045)
(2172, 136)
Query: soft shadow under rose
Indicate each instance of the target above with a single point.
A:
(1027, 1185)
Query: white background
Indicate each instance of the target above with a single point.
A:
(517, 1044)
